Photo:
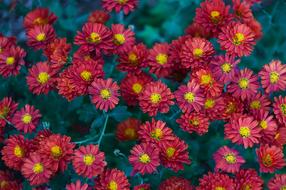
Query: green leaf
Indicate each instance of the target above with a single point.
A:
(120, 113)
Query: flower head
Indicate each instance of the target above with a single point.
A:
(123, 39)
(128, 129)
(39, 17)
(279, 109)
(98, 16)
(120, 5)
(248, 179)
(278, 182)
(215, 181)
(194, 122)
(77, 186)
(174, 182)
(7, 108)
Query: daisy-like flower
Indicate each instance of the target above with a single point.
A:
(82, 56)
(279, 109)
(7, 108)
(196, 52)
(123, 39)
(224, 68)
(279, 139)
(256, 28)
(144, 158)
(88, 161)
(112, 179)
(160, 62)
(231, 106)
(197, 30)
(155, 132)
(133, 85)
(26, 119)
(278, 182)
(77, 186)
(41, 136)
(58, 149)
(142, 187)
(228, 160)
(15, 150)
(242, 10)
(189, 97)
(39, 37)
(8, 181)
(128, 129)
(175, 51)
(104, 94)
(98, 16)
(174, 182)
(38, 17)
(41, 78)
(11, 61)
(133, 60)
(94, 37)
(243, 129)
(194, 122)
(66, 86)
(174, 154)
(6, 43)
(237, 39)
(270, 158)
(213, 108)
(259, 102)
(125, 5)
(273, 76)
(248, 179)
(156, 97)
(244, 85)
(36, 169)
(215, 181)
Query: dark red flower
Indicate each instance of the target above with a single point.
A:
(175, 183)
(125, 5)
(39, 16)
(98, 16)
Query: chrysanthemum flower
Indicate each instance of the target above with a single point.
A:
(174, 154)
(88, 161)
(9, 182)
(11, 61)
(40, 36)
(215, 181)
(98, 16)
(40, 136)
(270, 158)
(7, 108)
(133, 60)
(231, 106)
(123, 39)
(189, 97)
(156, 97)
(273, 76)
(82, 56)
(228, 160)
(15, 150)
(242, 10)
(94, 37)
(36, 169)
(194, 122)
(279, 139)
(256, 28)
(196, 52)
(142, 187)
(6, 43)
(104, 94)
(244, 85)
(237, 39)
(77, 186)
(259, 102)
(279, 109)
(66, 85)
(174, 183)
(128, 129)
(197, 30)
(41, 78)
(38, 17)
(133, 85)
(248, 179)
(26, 119)
(125, 5)
(213, 108)
(144, 158)
(175, 51)
(112, 179)
(278, 182)
(243, 129)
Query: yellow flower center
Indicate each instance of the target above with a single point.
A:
(38, 168)
(162, 58)
(274, 77)
(283, 108)
(56, 151)
(43, 77)
(263, 124)
(244, 132)
(215, 15)
(144, 158)
(195, 122)
(155, 98)
(137, 87)
(283, 187)
(40, 21)
(209, 103)
(132, 57)
(157, 133)
(88, 159)
(189, 96)
(3, 184)
(94, 38)
(4, 112)
(119, 39)
(255, 105)
(10, 60)
(226, 67)
(129, 132)
(198, 52)
(122, 2)
(267, 160)
(41, 37)
(238, 38)
(243, 83)
(18, 151)
(112, 185)
(206, 79)
(219, 188)
(170, 152)
(105, 94)
(27, 118)
(246, 187)
(85, 75)
(230, 158)
(231, 108)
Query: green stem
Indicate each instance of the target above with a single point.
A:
(103, 130)
(7, 121)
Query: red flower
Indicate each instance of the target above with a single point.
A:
(94, 37)
(82, 56)
(279, 139)
(237, 39)
(125, 5)
(41, 78)
(279, 109)
(213, 108)
(8, 182)
(38, 17)
(40, 36)
(248, 179)
(270, 158)
(174, 54)
(88, 161)
(41, 136)
(26, 119)
(123, 39)
(231, 106)
(127, 130)
(278, 182)
(213, 181)
(259, 103)
(142, 187)
(242, 10)
(98, 16)
(66, 85)
(7, 109)
(156, 97)
(243, 129)
(174, 153)
(104, 94)
(197, 30)
(11, 60)
(6, 43)
(256, 28)
(175, 183)
(77, 186)
(144, 158)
